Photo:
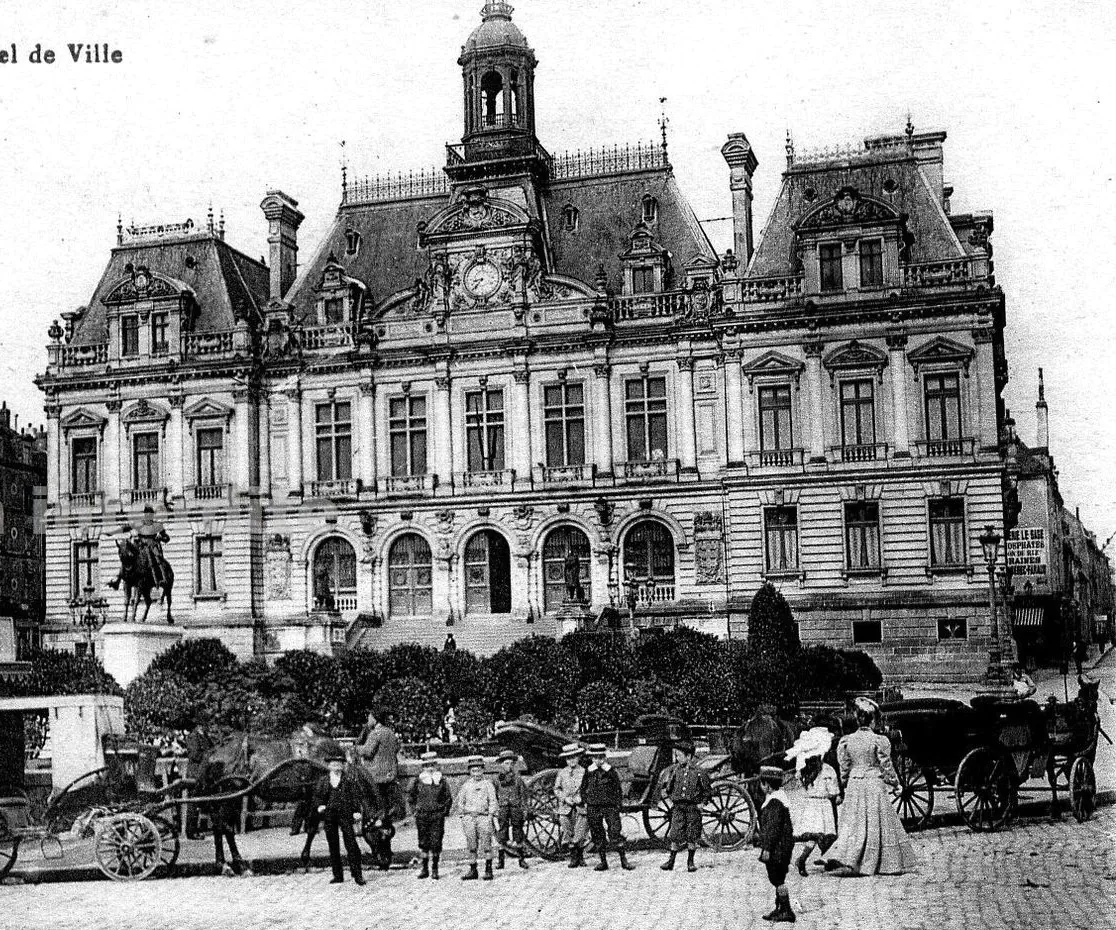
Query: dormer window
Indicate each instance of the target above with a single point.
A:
(829, 260)
(643, 280)
(334, 310)
(129, 336)
(871, 263)
(570, 217)
(352, 242)
(650, 209)
(159, 344)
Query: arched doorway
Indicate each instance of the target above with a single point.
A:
(649, 562)
(334, 576)
(410, 574)
(487, 574)
(559, 544)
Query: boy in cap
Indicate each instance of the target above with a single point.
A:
(687, 787)
(571, 805)
(511, 796)
(477, 804)
(776, 839)
(431, 801)
(337, 804)
(602, 793)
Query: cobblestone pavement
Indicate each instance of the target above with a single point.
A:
(1037, 875)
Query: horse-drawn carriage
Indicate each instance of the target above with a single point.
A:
(986, 751)
(728, 817)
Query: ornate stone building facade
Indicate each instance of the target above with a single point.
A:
(525, 374)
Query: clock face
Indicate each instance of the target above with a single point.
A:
(482, 279)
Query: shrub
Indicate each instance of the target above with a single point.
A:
(535, 676)
(56, 672)
(158, 702)
(360, 674)
(461, 676)
(474, 720)
(829, 674)
(601, 657)
(669, 655)
(763, 677)
(309, 681)
(604, 705)
(415, 708)
(770, 622)
(196, 660)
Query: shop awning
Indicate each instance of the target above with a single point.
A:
(1028, 616)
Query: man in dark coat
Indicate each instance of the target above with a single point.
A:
(687, 787)
(776, 840)
(378, 748)
(602, 794)
(337, 804)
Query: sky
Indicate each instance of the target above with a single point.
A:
(218, 101)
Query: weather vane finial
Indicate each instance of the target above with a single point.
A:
(664, 121)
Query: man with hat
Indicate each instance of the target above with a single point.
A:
(602, 793)
(571, 805)
(687, 787)
(511, 796)
(776, 840)
(431, 801)
(337, 803)
(378, 746)
(477, 805)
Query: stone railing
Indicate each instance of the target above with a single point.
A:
(78, 356)
(84, 498)
(771, 290)
(473, 480)
(566, 474)
(337, 603)
(336, 336)
(667, 304)
(654, 592)
(338, 487)
(939, 274)
(945, 448)
(145, 495)
(654, 470)
(775, 458)
(202, 345)
(208, 492)
(408, 484)
(861, 452)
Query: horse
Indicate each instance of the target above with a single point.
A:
(1081, 720)
(763, 739)
(139, 581)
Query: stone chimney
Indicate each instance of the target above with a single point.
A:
(742, 162)
(1042, 418)
(5, 416)
(283, 220)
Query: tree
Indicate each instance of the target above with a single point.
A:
(56, 672)
(415, 708)
(196, 660)
(771, 625)
(536, 676)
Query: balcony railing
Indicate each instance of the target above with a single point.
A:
(618, 159)
(145, 495)
(84, 498)
(566, 474)
(938, 274)
(336, 603)
(413, 184)
(202, 345)
(336, 487)
(771, 290)
(667, 304)
(648, 594)
(862, 452)
(501, 478)
(775, 458)
(654, 470)
(78, 356)
(208, 492)
(336, 336)
(944, 448)
(408, 484)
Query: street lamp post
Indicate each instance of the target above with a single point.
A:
(89, 611)
(990, 543)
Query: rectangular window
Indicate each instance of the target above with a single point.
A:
(858, 412)
(85, 572)
(484, 430)
(953, 628)
(775, 417)
(645, 408)
(829, 259)
(145, 462)
(781, 532)
(209, 565)
(210, 457)
(643, 280)
(564, 419)
(862, 535)
(871, 263)
(407, 428)
(159, 334)
(333, 425)
(129, 336)
(334, 311)
(947, 531)
(867, 631)
(943, 406)
(83, 465)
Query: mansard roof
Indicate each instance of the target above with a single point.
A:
(224, 282)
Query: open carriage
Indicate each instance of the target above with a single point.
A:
(728, 817)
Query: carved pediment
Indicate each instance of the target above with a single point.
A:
(772, 363)
(848, 207)
(855, 355)
(642, 243)
(207, 409)
(82, 419)
(144, 412)
(474, 210)
(941, 351)
(140, 283)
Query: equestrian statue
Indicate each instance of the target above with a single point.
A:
(143, 568)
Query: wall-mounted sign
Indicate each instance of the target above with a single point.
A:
(1026, 551)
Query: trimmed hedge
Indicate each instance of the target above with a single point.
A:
(57, 672)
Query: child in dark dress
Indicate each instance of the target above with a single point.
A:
(776, 838)
(431, 801)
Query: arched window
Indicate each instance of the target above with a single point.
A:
(352, 242)
(514, 88)
(492, 98)
(487, 574)
(570, 217)
(649, 562)
(560, 544)
(410, 588)
(334, 579)
(650, 209)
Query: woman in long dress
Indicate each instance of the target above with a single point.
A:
(870, 837)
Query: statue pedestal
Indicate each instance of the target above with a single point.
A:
(129, 648)
(572, 617)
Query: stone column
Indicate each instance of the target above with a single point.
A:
(111, 465)
(984, 386)
(897, 358)
(176, 448)
(687, 449)
(734, 409)
(521, 425)
(242, 470)
(814, 392)
(602, 431)
(367, 426)
(55, 455)
(443, 440)
(294, 441)
(263, 429)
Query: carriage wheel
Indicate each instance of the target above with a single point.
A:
(656, 816)
(985, 790)
(728, 818)
(1083, 789)
(168, 836)
(540, 821)
(914, 798)
(9, 846)
(128, 847)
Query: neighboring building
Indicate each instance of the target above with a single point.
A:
(1061, 580)
(486, 372)
(23, 458)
